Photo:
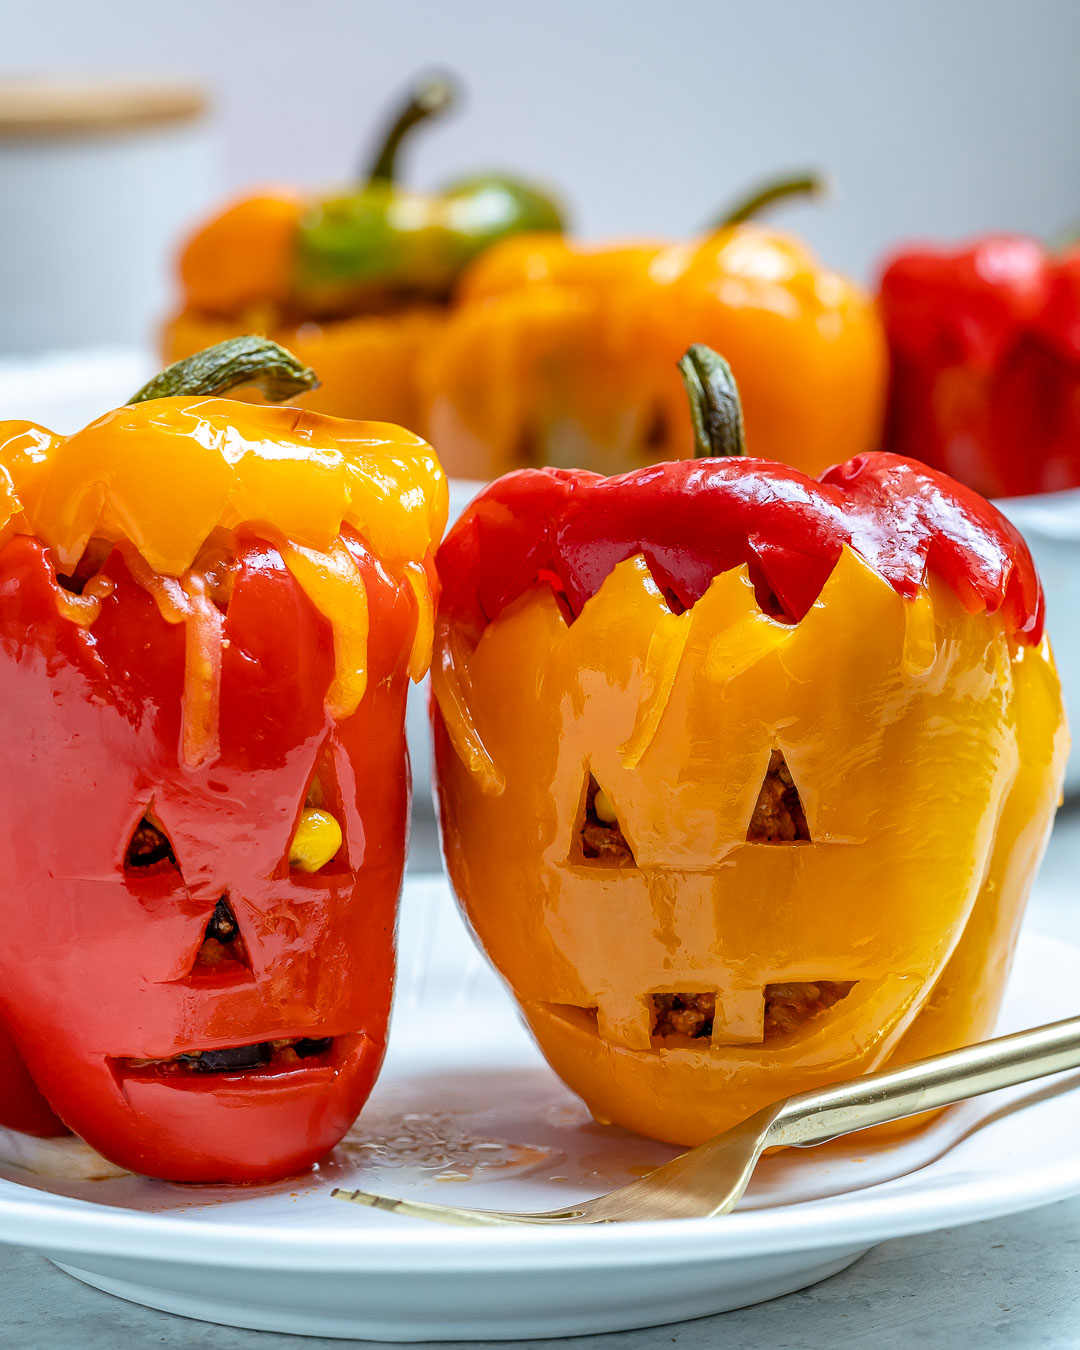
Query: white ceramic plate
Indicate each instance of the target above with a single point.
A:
(466, 1111)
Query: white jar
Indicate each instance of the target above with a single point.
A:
(98, 180)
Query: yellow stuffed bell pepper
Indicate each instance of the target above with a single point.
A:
(563, 354)
(355, 283)
(744, 776)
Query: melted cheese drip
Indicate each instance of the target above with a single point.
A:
(452, 686)
(160, 478)
(167, 473)
(200, 725)
(84, 609)
(423, 638)
(186, 600)
(333, 584)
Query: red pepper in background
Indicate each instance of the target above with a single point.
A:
(985, 350)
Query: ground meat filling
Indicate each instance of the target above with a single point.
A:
(236, 1058)
(790, 1006)
(149, 845)
(222, 943)
(787, 1008)
(683, 1015)
(601, 838)
(778, 816)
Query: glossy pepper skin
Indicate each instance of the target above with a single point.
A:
(209, 613)
(354, 282)
(985, 350)
(657, 637)
(564, 354)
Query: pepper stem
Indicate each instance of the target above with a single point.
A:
(243, 360)
(776, 190)
(431, 96)
(715, 410)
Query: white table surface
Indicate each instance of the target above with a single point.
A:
(1012, 1282)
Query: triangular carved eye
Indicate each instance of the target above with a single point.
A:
(601, 838)
(318, 838)
(223, 944)
(149, 846)
(778, 816)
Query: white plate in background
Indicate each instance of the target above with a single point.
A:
(467, 1112)
(66, 390)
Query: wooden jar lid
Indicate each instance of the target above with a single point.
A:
(64, 107)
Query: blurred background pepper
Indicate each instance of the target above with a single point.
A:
(355, 282)
(563, 353)
(985, 350)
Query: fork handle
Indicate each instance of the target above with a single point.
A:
(927, 1084)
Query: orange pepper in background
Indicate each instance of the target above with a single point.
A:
(356, 283)
(631, 655)
(563, 353)
(242, 258)
(367, 365)
(237, 276)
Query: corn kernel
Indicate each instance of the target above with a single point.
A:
(605, 812)
(316, 841)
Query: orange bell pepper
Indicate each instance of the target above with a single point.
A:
(744, 776)
(564, 354)
(355, 283)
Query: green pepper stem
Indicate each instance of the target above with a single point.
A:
(243, 360)
(776, 190)
(715, 410)
(431, 96)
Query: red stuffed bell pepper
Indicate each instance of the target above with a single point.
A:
(985, 351)
(209, 613)
(744, 775)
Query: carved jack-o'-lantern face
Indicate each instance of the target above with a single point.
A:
(187, 997)
(721, 853)
(209, 614)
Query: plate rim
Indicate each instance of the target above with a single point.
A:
(73, 1227)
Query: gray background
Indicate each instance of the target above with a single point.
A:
(934, 117)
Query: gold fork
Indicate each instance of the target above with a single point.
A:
(711, 1178)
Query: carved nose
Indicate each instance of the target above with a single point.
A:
(223, 926)
(223, 943)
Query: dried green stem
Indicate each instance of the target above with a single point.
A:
(715, 410)
(775, 190)
(431, 97)
(243, 360)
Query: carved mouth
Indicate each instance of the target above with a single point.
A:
(787, 1008)
(260, 1058)
(689, 1020)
